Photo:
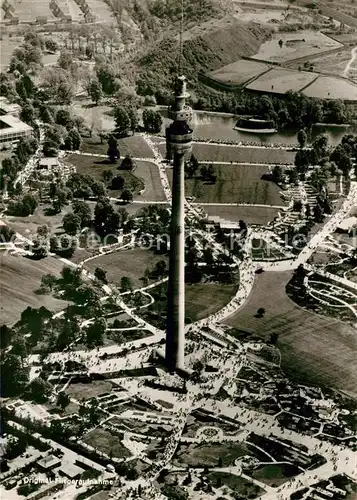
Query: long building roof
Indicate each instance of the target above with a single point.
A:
(13, 124)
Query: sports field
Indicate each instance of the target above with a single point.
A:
(315, 349)
(19, 279)
(235, 184)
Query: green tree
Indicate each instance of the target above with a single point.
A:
(101, 274)
(125, 284)
(14, 375)
(95, 333)
(127, 196)
(95, 91)
(63, 400)
(113, 151)
(59, 200)
(152, 121)
(122, 121)
(65, 60)
(40, 390)
(83, 211)
(128, 163)
(71, 224)
(107, 79)
(302, 138)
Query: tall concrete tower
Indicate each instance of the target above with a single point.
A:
(179, 148)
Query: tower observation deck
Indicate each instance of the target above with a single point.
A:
(179, 149)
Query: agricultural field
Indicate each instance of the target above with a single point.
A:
(315, 349)
(131, 263)
(235, 184)
(251, 215)
(282, 80)
(19, 279)
(239, 72)
(134, 145)
(299, 44)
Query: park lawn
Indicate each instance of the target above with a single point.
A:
(27, 226)
(239, 154)
(251, 214)
(235, 184)
(106, 442)
(315, 349)
(209, 454)
(204, 299)
(275, 475)
(86, 391)
(131, 263)
(148, 173)
(134, 145)
(96, 165)
(238, 484)
(20, 277)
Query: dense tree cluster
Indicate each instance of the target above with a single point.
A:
(152, 121)
(84, 186)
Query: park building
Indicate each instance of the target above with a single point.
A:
(12, 129)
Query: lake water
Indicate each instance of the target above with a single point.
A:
(221, 127)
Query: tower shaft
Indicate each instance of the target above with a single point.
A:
(179, 146)
(175, 336)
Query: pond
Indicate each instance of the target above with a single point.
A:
(221, 127)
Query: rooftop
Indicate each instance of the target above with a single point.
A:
(49, 462)
(10, 121)
(70, 470)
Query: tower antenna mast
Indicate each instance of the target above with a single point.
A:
(181, 42)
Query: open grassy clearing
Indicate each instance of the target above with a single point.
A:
(238, 484)
(106, 442)
(331, 87)
(19, 279)
(134, 145)
(95, 166)
(86, 391)
(217, 153)
(314, 349)
(235, 184)
(27, 226)
(131, 263)
(209, 454)
(204, 299)
(8, 45)
(251, 215)
(275, 475)
(334, 63)
(281, 80)
(239, 72)
(149, 173)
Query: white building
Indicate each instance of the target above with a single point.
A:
(12, 129)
